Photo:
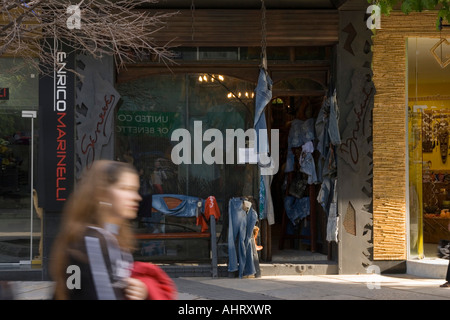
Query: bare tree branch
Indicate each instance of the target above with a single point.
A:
(118, 28)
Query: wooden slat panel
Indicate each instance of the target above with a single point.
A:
(221, 28)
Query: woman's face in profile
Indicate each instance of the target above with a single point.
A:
(125, 196)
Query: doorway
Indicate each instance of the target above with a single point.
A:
(20, 225)
(289, 240)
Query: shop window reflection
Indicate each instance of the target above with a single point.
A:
(150, 110)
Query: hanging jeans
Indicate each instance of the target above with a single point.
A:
(333, 124)
(296, 208)
(327, 130)
(308, 166)
(187, 208)
(300, 133)
(240, 237)
(324, 197)
(266, 209)
(333, 218)
(263, 96)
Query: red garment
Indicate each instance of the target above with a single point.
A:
(211, 208)
(158, 283)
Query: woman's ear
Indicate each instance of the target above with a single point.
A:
(102, 197)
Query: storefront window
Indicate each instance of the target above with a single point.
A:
(429, 165)
(20, 224)
(151, 110)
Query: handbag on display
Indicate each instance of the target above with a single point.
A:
(444, 249)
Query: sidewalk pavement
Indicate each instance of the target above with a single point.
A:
(291, 287)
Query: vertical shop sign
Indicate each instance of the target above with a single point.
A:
(56, 130)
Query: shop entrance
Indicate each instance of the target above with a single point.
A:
(289, 240)
(428, 138)
(20, 225)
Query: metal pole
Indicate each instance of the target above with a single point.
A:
(32, 115)
(31, 189)
(213, 246)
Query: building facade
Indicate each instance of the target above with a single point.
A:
(314, 52)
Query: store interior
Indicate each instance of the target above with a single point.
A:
(283, 110)
(429, 164)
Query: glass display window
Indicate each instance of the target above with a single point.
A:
(428, 138)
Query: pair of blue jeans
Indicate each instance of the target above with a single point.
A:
(333, 124)
(296, 208)
(240, 237)
(327, 130)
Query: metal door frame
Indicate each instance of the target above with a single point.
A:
(32, 114)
